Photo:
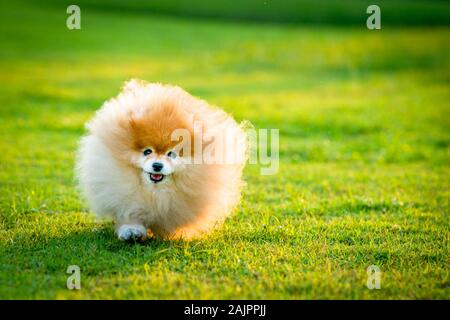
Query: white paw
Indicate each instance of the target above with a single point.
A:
(132, 232)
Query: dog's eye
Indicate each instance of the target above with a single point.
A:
(172, 154)
(147, 152)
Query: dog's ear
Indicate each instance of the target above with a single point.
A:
(133, 84)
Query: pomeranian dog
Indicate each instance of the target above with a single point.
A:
(161, 162)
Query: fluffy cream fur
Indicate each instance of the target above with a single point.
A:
(191, 200)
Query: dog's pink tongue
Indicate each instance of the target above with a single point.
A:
(157, 176)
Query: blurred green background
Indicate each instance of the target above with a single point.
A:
(364, 146)
(330, 12)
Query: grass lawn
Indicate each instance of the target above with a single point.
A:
(364, 157)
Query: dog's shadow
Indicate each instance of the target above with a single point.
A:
(94, 251)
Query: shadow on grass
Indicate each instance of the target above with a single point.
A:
(96, 251)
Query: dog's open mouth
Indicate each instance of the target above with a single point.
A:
(156, 177)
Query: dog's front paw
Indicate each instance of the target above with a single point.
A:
(132, 232)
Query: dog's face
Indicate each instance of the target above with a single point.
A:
(156, 167)
(155, 153)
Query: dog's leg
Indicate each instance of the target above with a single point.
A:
(131, 232)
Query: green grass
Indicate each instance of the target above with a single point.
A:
(364, 149)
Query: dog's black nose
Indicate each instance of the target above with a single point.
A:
(157, 166)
